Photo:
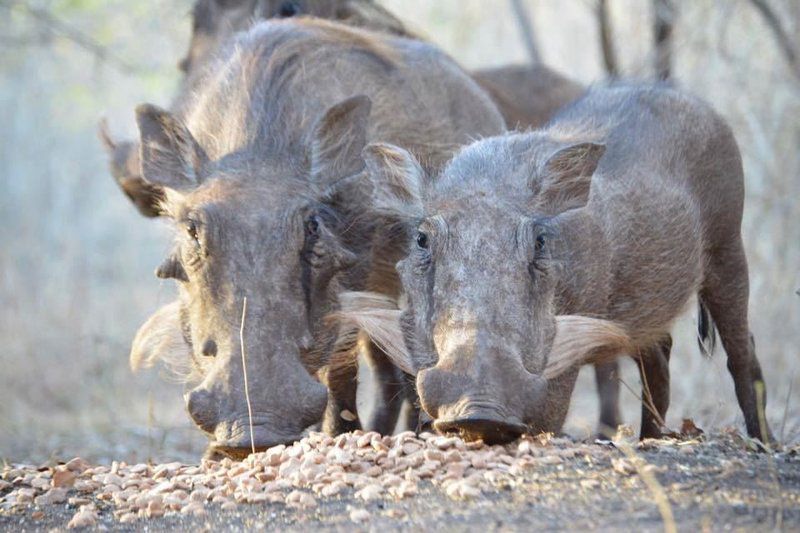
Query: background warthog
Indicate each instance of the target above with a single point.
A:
(260, 180)
(624, 208)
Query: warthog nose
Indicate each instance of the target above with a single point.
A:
(480, 406)
(209, 348)
(482, 426)
(201, 406)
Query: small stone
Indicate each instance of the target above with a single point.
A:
(590, 484)
(155, 509)
(25, 495)
(82, 519)
(77, 465)
(52, 497)
(348, 416)
(332, 489)
(127, 518)
(63, 477)
(370, 492)
(40, 483)
(360, 515)
(194, 508)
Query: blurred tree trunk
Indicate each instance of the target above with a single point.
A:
(526, 28)
(607, 39)
(787, 45)
(663, 24)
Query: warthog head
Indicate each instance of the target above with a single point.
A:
(214, 21)
(481, 273)
(276, 241)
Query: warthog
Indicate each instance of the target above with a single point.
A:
(262, 177)
(527, 96)
(626, 206)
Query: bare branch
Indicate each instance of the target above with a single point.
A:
(55, 26)
(663, 24)
(782, 37)
(607, 39)
(528, 34)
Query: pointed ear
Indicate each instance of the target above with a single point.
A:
(170, 156)
(567, 175)
(339, 136)
(127, 172)
(397, 181)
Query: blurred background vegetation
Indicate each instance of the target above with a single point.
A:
(76, 259)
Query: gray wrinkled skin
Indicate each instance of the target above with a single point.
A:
(627, 205)
(262, 177)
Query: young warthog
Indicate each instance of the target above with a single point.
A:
(263, 181)
(624, 208)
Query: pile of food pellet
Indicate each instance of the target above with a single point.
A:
(367, 466)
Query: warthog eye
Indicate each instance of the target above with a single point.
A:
(191, 230)
(312, 226)
(288, 9)
(541, 242)
(422, 240)
(210, 348)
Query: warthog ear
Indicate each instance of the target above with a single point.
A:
(397, 179)
(126, 170)
(169, 154)
(338, 139)
(567, 176)
(368, 14)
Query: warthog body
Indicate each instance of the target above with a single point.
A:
(627, 206)
(260, 176)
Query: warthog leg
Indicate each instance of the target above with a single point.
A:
(654, 371)
(606, 376)
(725, 292)
(341, 378)
(390, 390)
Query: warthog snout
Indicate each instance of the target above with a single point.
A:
(228, 421)
(487, 402)
(200, 404)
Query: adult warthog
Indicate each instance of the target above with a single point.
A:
(262, 177)
(627, 206)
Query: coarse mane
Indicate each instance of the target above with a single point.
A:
(254, 89)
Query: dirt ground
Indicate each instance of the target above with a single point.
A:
(717, 483)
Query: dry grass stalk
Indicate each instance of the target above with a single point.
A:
(244, 371)
(659, 494)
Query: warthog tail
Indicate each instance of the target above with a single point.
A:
(706, 330)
